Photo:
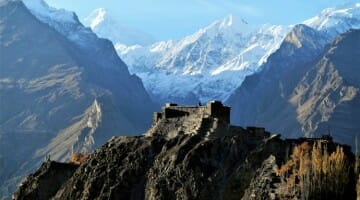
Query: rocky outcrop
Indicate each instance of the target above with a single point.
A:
(184, 167)
(170, 163)
(263, 185)
(44, 184)
(227, 162)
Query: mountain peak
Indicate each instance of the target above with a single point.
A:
(229, 27)
(304, 36)
(96, 17)
(336, 20)
(295, 35)
(232, 22)
(106, 25)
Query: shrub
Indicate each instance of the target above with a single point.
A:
(78, 158)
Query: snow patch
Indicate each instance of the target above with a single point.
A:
(94, 117)
(45, 13)
(96, 17)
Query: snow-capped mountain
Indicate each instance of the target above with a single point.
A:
(106, 26)
(207, 65)
(213, 62)
(65, 22)
(335, 21)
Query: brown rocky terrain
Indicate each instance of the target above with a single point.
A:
(215, 161)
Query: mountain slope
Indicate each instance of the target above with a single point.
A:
(213, 62)
(57, 96)
(309, 95)
(107, 27)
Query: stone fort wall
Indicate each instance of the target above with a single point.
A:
(212, 109)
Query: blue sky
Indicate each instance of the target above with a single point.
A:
(173, 19)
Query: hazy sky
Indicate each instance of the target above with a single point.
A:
(173, 19)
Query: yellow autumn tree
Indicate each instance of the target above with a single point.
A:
(313, 173)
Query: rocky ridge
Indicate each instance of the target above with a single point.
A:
(237, 163)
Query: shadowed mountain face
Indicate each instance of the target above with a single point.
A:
(304, 88)
(57, 97)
